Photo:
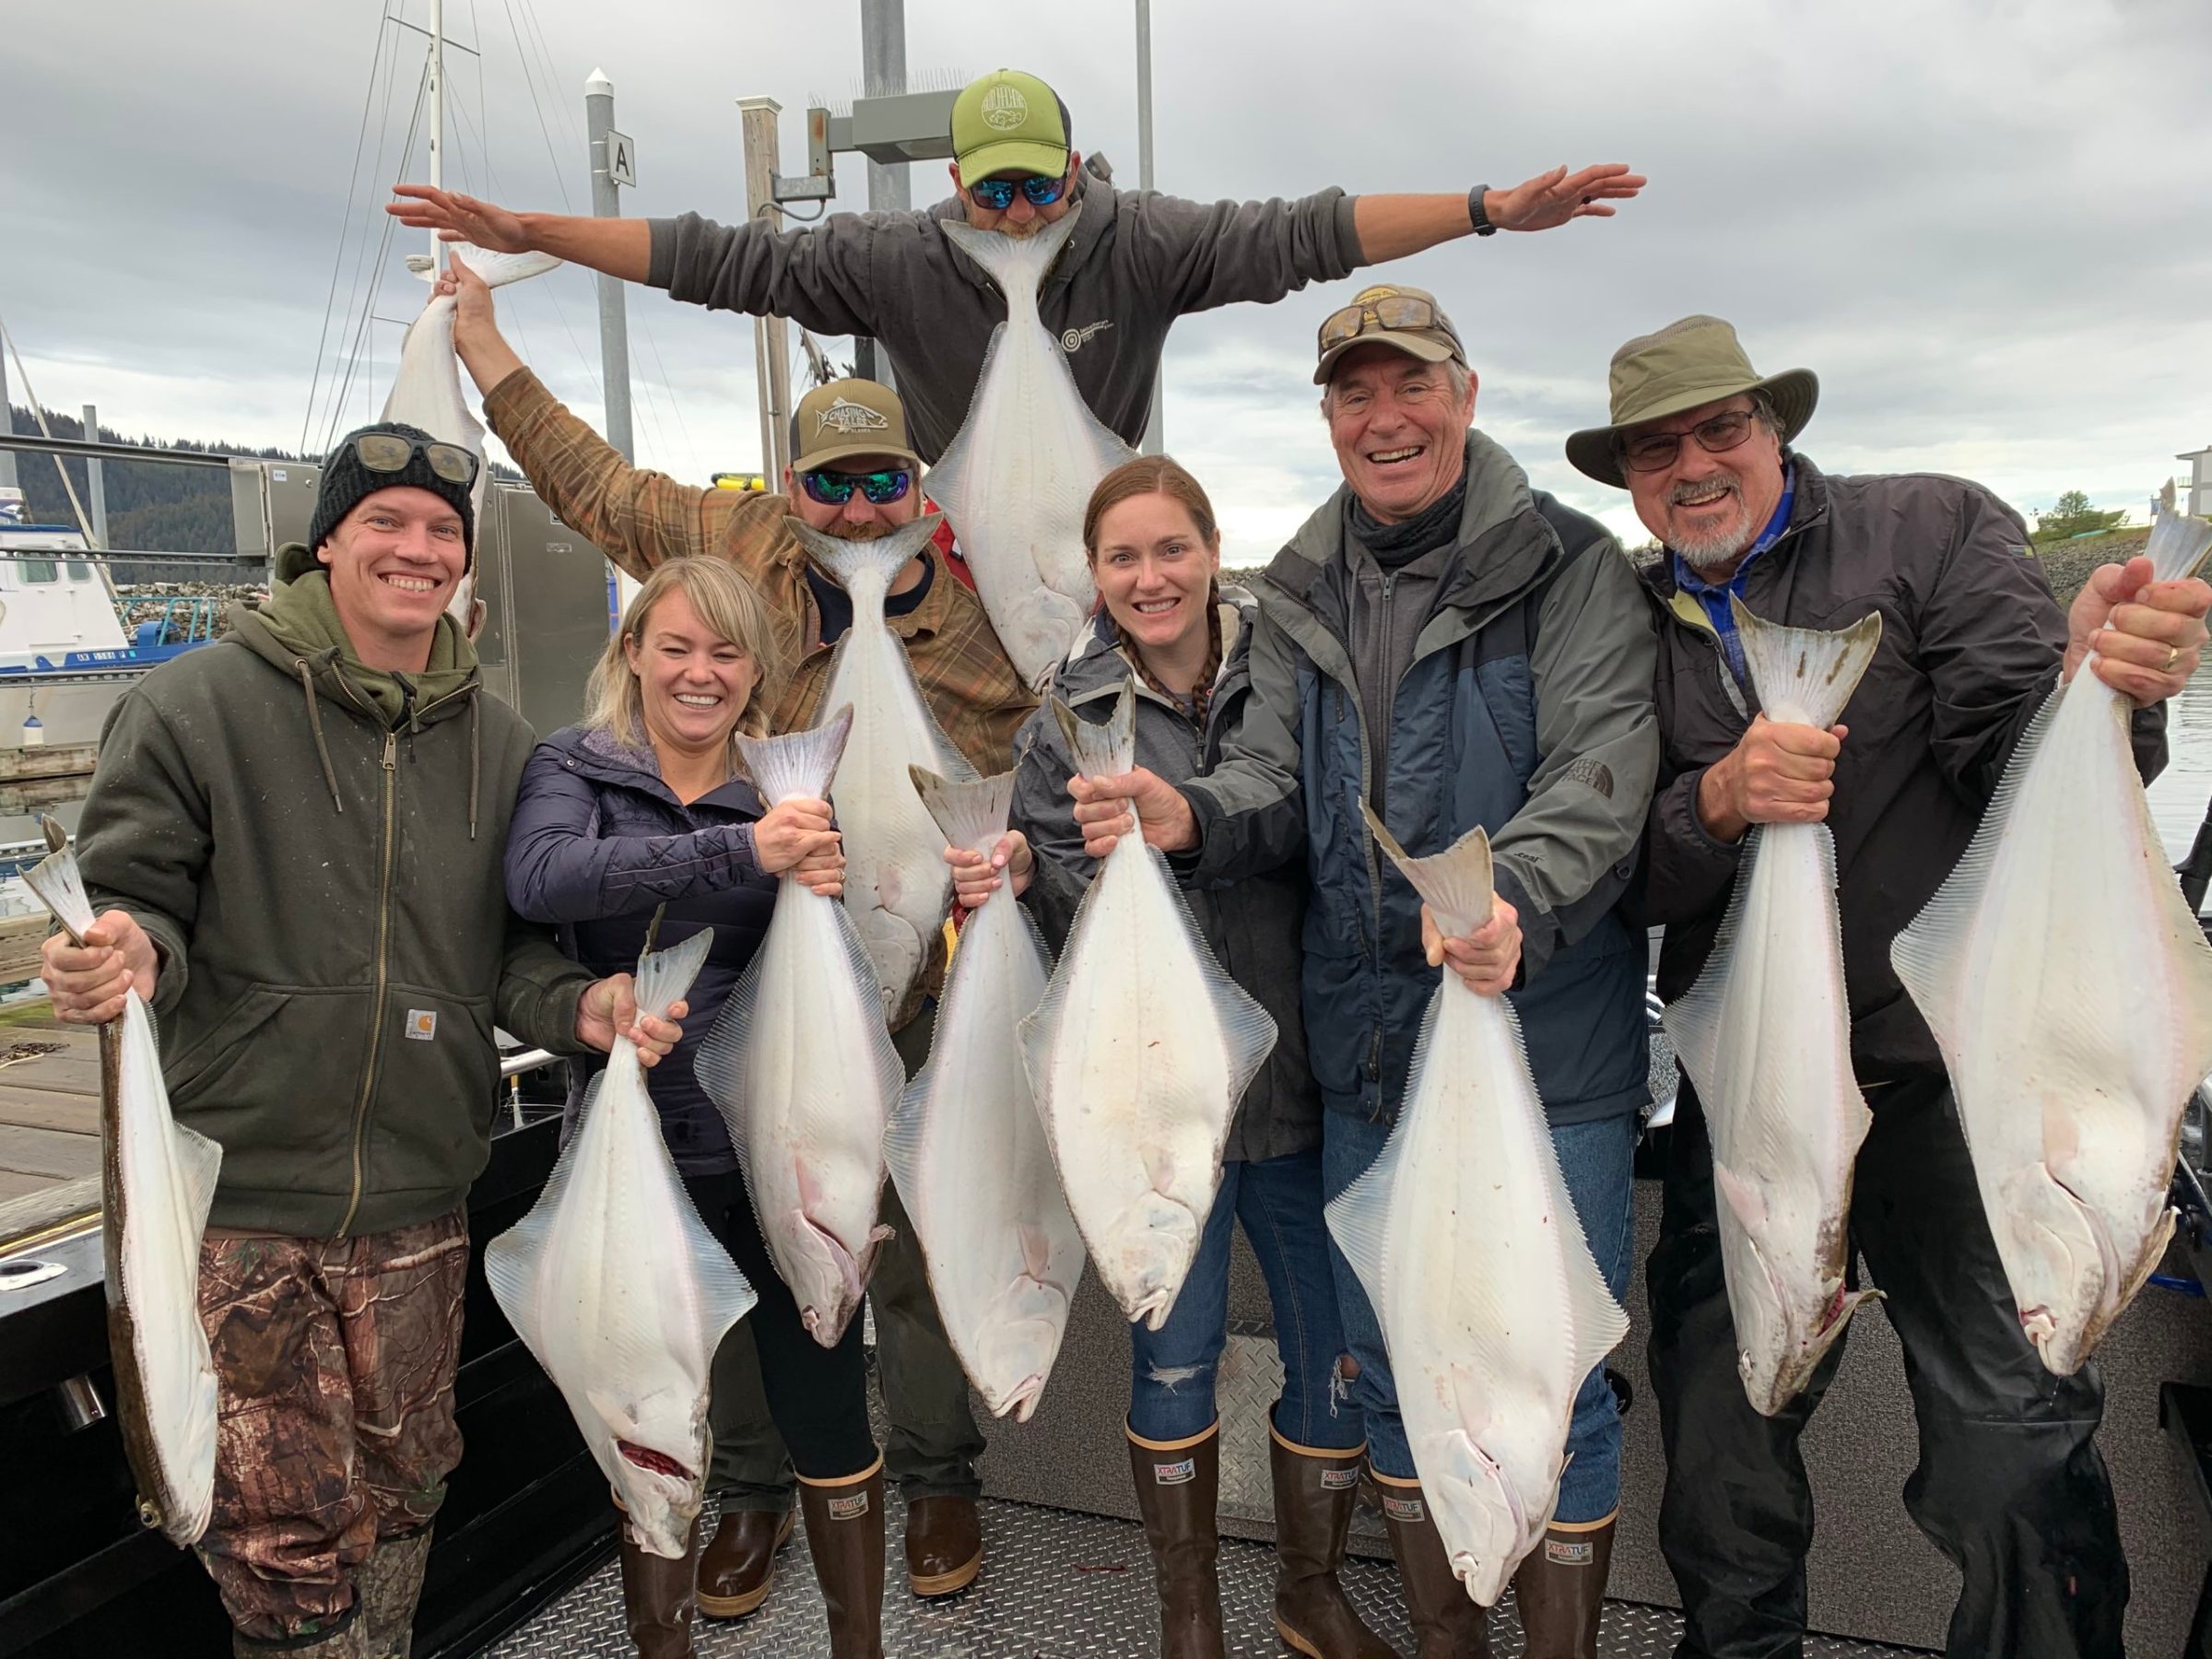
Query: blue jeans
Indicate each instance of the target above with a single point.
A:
(1598, 1161)
(1171, 1369)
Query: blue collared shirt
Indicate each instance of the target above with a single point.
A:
(1715, 596)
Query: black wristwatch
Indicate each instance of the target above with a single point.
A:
(1481, 219)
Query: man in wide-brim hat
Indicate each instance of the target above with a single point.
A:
(2009, 1485)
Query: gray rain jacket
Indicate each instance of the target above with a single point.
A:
(1526, 708)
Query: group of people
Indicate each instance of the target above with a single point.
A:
(1439, 639)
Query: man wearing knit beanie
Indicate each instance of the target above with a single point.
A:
(296, 839)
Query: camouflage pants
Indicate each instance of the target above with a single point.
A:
(335, 1360)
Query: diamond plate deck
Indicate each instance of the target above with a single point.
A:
(1054, 1586)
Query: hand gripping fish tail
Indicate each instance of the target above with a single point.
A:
(157, 1182)
(798, 765)
(1804, 676)
(1457, 884)
(1102, 748)
(971, 813)
(2069, 987)
(613, 1215)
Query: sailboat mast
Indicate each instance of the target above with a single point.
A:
(436, 117)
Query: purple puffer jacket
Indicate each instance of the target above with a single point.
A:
(597, 842)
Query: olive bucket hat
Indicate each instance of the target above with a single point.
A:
(1685, 365)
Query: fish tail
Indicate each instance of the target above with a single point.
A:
(868, 567)
(60, 887)
(1804, 676)
(1101, 749)
(972, 813)
(798, 765)
(1017, 264)
(665, 975)
(2178, 543)
(496, 269)
(1456, 883)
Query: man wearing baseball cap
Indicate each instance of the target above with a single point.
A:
(2010, 1486)
(325, 937)
(854, 474)
(1461, 650)
(1134, 263)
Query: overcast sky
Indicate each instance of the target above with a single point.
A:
(1986, 226)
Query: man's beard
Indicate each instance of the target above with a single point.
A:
(1713, 553)
(874, 530)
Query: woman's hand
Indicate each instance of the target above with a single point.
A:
(791, 833)
(975, 877)
(608, 1009)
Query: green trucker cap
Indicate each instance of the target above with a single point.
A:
(1009, 122)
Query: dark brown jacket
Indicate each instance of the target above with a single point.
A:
(1971, 645)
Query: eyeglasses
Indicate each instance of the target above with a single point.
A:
(1655, 452)
(1396, 310)
(389, 453)
(835, 489)
(996, 196)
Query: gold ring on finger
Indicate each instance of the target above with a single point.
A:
(2174, 655)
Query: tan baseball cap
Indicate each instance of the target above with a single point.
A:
(1009, 121)
(1686, 365)
(848, 418)
(1405, 319)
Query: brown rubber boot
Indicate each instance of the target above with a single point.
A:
(739, 1562)
(944, 1545)
(659, 1596)
(1314, 1492)
(1560, 1589)
(387, 1585)
(1177, 1482)
(1447, 1623)
(845, 1534)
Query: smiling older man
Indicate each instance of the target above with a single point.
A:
(2009, 1486)
(1456, 648)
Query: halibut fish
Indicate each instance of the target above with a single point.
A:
(965, 1146)
(1015, 479)
(898, 890)
(616, 1285)
(425, 392)
(156, 1181)
(802, 1068)
(1466, 1242)
(1765, 1034)
(1138, 1056)
(2070, 990)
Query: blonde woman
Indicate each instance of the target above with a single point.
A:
(644, 803)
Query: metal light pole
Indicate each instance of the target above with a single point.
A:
(96, 478)
(606, 203)
(1155, 430)
(883, 74)
(770, 344)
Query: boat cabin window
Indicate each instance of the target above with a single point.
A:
(79, 570)
(39, 569)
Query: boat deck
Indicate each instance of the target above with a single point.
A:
(1054, 1583)
(49, 1105)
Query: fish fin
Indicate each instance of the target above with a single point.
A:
(866, 565)
(60, 887)
(956, 484)
(902, 1133)
(1103, 748)
(2178, 544)
(720, 1062)
(1248, 1030)
(1358, 1218)
(1017, 264)
(664, 976)
(971, 812)
(798, 765)
(199, 1162)
(1456, 883)
(1693, 1021)
(1740, 1196)
(496, 269)
(1599, 1321)
(1804, 676)
(727, 1295)
(1932, 954)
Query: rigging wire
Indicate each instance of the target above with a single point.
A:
(360, 264)
(38, 410)
(337, 262)
(338, 407)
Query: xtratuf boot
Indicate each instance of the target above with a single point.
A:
(1177, 1482)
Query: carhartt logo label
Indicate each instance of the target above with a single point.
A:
(1005, 109)
(1339, 1480)
(1175, 1474)
(1562, 1553)
(422, 1024)
(849, 1509)
(1407, 1510)
(1072, 339)
(845, 416)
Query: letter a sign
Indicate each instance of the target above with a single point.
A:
(621, 158)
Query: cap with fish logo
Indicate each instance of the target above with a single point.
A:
(1009, 122)
(848, 418)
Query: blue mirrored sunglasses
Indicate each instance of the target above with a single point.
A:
(835, 489)
(997, 194)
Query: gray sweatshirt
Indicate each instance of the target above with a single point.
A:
(1134, 263)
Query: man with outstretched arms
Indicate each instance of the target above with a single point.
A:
(296, 836)
(1455, 648)
(855, 475)
(1134, 263)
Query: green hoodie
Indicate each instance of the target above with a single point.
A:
(315, 847)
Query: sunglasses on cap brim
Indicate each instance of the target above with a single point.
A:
(1399, 311)
(389, 453)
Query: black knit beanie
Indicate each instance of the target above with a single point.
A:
(347, 483)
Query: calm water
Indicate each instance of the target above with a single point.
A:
(2177, 797)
